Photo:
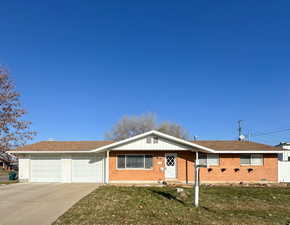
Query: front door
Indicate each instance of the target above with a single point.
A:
(170, 165)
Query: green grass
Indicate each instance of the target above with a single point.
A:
(162, 205)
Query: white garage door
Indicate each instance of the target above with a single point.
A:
(46, 169)
(87, 169)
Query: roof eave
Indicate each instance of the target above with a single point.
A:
(152, 132)
(37, 152)
(250, 151)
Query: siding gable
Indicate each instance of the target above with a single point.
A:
(141, 144)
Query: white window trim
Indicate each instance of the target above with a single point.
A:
(251, 156)
(151, 168)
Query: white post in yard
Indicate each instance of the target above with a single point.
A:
(196, 186)
(196, 192)
(197, 180)
(107, 166)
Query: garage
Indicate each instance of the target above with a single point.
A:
(46, 169)
(87, 168)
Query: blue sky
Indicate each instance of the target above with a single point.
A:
(81, 65)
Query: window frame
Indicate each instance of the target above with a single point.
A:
(218, 156)
(155, 139)
(144, 157)
(148, 140)
(251, 157)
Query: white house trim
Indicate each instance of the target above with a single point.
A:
(40, 152)
(157, 133)
(248, 151)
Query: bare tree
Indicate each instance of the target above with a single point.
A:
(173, 129)
(14, 131)
(130, 126)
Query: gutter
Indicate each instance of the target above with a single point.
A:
(38, 152)
(250, 151)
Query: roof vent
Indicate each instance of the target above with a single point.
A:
(50, 139)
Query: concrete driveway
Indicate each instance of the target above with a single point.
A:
(35, 204)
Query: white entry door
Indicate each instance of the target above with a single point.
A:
(87, 169)
(170, 165)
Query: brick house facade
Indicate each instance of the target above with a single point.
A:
(152, 157)
(229, 169)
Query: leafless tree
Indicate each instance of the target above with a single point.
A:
(130, 126)
(14, 131)
(173, 129)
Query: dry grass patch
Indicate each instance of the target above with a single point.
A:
(162, 205)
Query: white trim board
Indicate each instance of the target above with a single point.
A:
(54, 152)
(248, 151)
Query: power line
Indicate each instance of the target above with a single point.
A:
(269, 133)
(271, 142)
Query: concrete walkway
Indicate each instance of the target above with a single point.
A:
(38, 204)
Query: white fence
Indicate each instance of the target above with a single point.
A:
(284, 171)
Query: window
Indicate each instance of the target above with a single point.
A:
(208, 159)
(251, 159)
(121, 161)
(148, 140)
(155, 139)
(202, 159)
(134, 161)
(245, 159)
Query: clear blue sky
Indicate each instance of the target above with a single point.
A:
(81, 65)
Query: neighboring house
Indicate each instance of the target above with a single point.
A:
(284, 162)
(7, 161)
(285, 155)
(152, 157)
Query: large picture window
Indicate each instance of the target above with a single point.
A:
(251, 159)
(209, 159)
(134, 161)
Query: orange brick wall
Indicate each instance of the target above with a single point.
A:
(267, 172)
(185, 169)
(154, 174)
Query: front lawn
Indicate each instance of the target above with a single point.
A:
(162, 205)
